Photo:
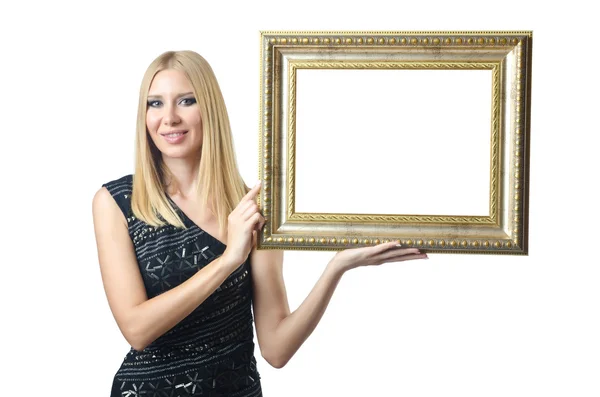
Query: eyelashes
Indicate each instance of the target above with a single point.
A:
(191, 100)
(155, 103)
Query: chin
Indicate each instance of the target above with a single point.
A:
(180, 153)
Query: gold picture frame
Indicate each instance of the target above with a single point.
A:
(300, 75)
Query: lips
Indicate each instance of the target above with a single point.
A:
(175, 136)
(174, 132)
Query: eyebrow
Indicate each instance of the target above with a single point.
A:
(178, 96)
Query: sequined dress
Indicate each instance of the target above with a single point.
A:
(211, 351)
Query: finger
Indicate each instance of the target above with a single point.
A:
(395, 246)
(401, 257)
(253, 192)
(386, 246)
(405, 251)
(245, 206)
(255, 221)
(259, 220)
(396, 253)
(247, 200)
(250, 211)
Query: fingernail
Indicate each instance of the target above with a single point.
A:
(257, 183)
(398, 245)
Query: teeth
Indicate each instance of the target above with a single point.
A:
(174, 135)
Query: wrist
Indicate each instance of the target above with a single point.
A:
(229, 262)
(338, 267)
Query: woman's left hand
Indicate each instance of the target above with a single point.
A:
(376, 255)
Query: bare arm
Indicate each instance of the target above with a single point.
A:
(142, 320)
(281, 333)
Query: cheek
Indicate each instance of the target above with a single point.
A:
(196, 121)
(152, 122)
(191, 117)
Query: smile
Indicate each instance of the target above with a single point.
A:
(174, 136)
(174, 133)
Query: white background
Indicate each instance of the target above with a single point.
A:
(359, 125)
(451, 326)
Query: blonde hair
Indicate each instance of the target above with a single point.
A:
(218, 171)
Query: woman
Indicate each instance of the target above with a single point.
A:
(177, 250)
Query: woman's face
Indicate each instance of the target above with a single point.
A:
(173, 117)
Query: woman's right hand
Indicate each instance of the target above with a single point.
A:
(243, 222)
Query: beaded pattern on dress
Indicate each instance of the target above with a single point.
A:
(211, 351)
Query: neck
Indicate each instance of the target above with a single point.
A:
(184, 178)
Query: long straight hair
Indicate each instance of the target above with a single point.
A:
(222, 185)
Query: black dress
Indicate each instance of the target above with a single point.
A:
(211, 351)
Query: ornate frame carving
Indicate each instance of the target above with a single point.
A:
(506, 54)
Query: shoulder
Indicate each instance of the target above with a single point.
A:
(122, 185)
(117, 191)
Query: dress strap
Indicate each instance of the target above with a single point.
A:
(120, 189)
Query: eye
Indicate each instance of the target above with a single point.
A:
(188, 101)
(154, 103)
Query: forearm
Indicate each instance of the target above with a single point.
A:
(154, 317)
(293, 330)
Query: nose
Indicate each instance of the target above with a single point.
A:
(170, 116)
